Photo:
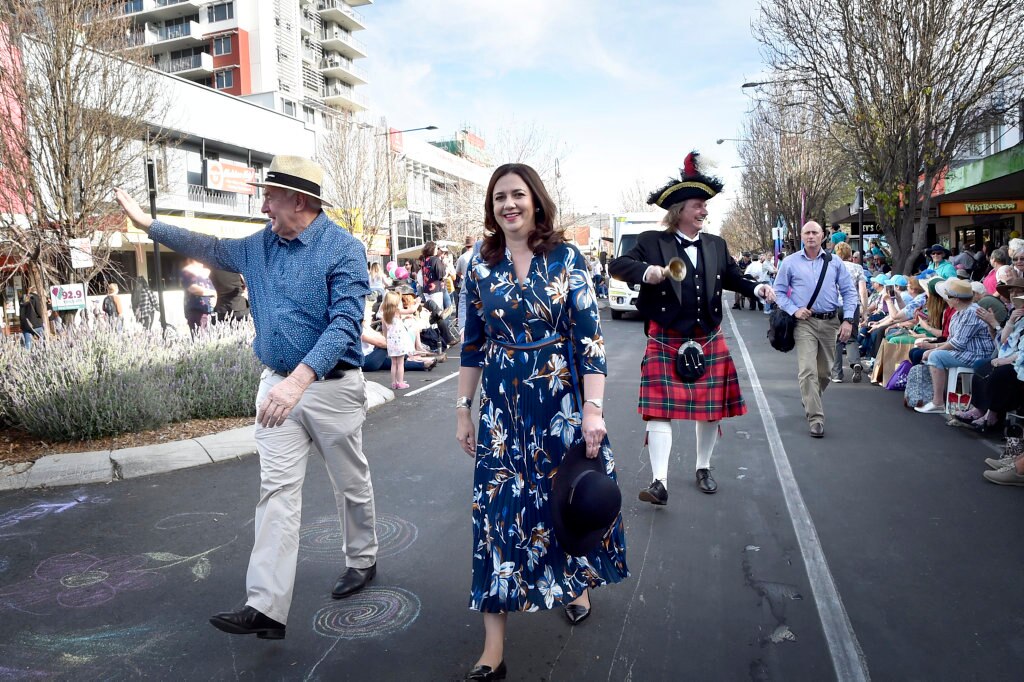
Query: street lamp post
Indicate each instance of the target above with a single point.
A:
(392, 232)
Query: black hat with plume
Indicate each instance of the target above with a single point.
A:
(692, 184)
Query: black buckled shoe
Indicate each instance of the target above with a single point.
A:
(705, 482)
(248, 621)
(485, 672)
(655, 493)
(353, 580)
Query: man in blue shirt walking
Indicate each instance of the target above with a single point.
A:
(817, 326)
(308, 283)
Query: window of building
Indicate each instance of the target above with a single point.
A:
(289, 107)
(132, 6)
(220, 12)
(224, 79)
(309, 114)
(222, 45)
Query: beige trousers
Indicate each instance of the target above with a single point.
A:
(815, 351)
(329, 417)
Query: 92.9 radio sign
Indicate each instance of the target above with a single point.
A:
(67, 297)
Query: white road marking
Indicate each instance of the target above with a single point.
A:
(430, 385)
(847, 656)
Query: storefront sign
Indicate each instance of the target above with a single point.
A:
(958, 208)
(229, 176)
(81, 253)
(67, 297)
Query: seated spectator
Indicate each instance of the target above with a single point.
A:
(995, 388)
(1015, 249)
(997, 259)
(968, 342)
(1010, 288)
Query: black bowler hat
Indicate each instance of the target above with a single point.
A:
(692, 184)
(585, 501)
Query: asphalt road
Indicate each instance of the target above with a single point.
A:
(884, 531)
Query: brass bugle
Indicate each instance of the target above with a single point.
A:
(676, 269)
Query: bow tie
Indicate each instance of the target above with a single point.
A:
(687, 243)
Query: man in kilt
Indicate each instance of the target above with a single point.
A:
(675, 312)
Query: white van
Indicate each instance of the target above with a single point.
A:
(622, 296)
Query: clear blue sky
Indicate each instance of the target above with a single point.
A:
(630, 87)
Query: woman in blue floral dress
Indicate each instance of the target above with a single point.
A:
(531, 312)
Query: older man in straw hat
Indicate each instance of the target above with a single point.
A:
(308, 282)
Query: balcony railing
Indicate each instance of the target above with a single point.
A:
(344, 91)
(344, 37)
(183, 63)
(247, 204)
(175, 31)
(308, 24)
(342, 7)
(168, 3)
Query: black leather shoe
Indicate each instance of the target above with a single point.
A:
(577, 613)
(353, 580)
(705, 482)
(248, 621)
(484, 672)
(655, 493)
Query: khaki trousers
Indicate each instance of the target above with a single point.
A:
(329, 417)
(815, 350)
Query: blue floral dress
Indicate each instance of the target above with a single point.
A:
(529, 415)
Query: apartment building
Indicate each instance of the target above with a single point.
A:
(293, 56)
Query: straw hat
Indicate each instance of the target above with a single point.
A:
(958, 288)
(295, 173)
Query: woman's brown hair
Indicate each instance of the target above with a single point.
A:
(544, 236)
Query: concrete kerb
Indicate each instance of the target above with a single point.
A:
(105, 466)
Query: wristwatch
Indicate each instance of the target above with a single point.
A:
(463, 401)
(596, 402)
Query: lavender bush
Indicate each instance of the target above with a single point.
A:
(93, 382)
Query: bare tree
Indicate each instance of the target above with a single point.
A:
(463, 210)
(633, 199)
(358, 163)
(903, 86)
(545, 153)
(792, 169)
(77, 109)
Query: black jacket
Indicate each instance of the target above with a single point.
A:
(663, 302)
(31, 314)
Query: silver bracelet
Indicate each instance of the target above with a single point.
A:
(463, 401)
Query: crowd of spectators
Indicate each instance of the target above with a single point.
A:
(961, 315)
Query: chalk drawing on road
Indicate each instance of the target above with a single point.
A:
(186, 519)
(77, 580)
(101, 653)
(40, 509)
(372, 612)
(80, 580)
(322, 540)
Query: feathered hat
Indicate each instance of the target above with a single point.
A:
(692, 184)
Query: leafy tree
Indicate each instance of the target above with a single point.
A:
(902, 86)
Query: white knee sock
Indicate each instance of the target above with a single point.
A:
(659, 446)
(707, 436)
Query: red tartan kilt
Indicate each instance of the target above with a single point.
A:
(663, 395)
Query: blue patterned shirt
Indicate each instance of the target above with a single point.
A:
(307, 294)
(970, 338)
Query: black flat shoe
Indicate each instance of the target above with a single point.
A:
(705, 482)
(248, 621)
(484, 672)
(655, 493)
(353, 580)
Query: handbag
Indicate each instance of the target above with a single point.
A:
(782, 325)
(898, 380)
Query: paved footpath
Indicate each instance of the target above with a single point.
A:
(876, 552)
